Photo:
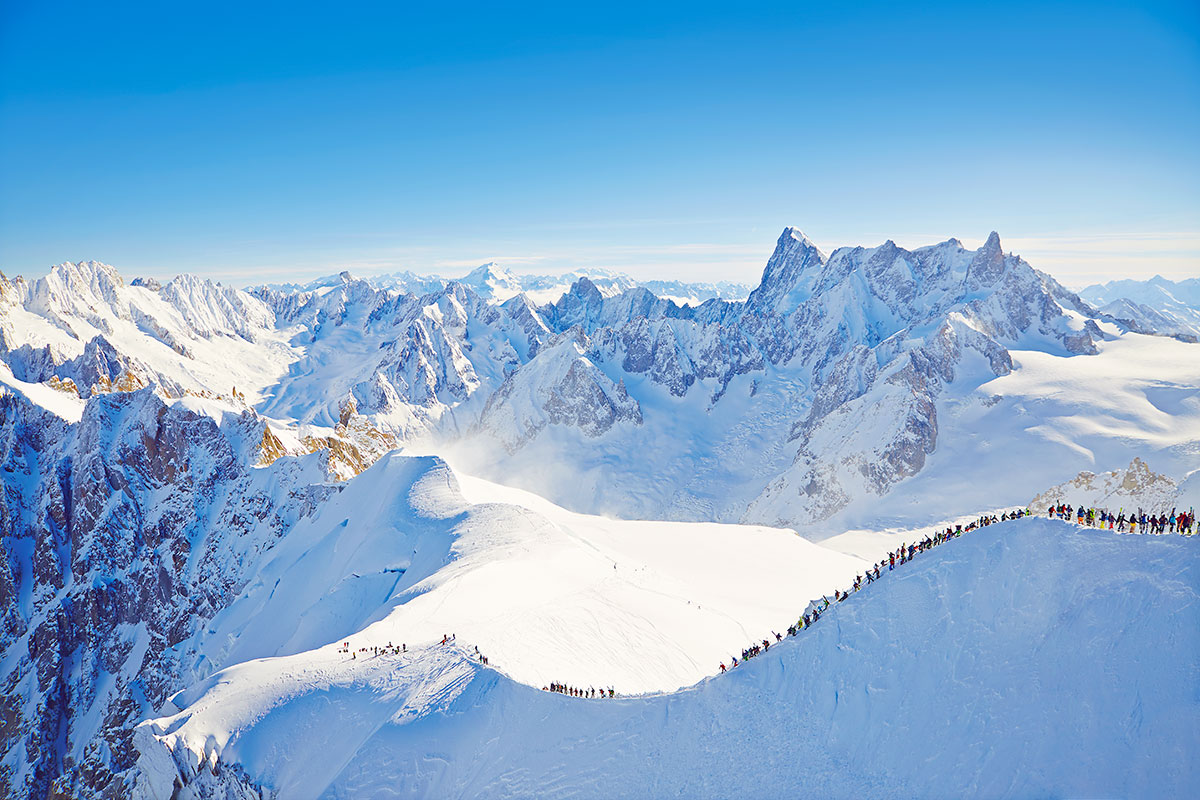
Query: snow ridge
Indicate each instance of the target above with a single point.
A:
(847, 709)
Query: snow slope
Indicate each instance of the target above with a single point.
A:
(1016, 661)
(1004, 440)
(401, 555)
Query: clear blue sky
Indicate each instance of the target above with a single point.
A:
(266, 142)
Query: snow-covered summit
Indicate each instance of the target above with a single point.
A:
(492, 282)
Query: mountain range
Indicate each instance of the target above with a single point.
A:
(208, 490)
(1157, 305)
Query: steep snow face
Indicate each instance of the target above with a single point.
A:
(405, 361)
(562, 387)
(974, 647)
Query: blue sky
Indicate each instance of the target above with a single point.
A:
(287, 141)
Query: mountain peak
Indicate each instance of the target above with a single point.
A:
(491, 281)
(987, 265)
(489, 270)
(789, 275)
(795, 234)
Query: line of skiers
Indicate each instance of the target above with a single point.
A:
(591, 691)
(903, 555)
(1182, 522)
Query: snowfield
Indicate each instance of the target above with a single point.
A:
(1009, 438)
(402, 556)
(1029, 658)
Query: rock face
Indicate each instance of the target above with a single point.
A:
(123, 534)
(1133, 488)
(566, 389)
(870, 336)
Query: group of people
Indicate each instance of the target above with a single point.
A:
(591, 691)
(905, 553)
(1182, 522)
(388, 650)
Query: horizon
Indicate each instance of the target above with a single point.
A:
(256, 146)
(298, 279)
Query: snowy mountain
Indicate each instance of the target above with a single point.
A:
(203, 500)
(826, 390)
(1155, 306)
(495, 283)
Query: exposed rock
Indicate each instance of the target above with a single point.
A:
(1133, 488)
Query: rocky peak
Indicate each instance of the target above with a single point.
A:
(790, 275)
(582, 305)
(79, 289)
(987, 266)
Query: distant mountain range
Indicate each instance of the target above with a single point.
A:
(492, 282)
(1157, 305)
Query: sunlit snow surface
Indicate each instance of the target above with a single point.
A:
(1004, 440)
(402, 556)
(1031, 658)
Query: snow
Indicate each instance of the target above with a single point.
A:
(1004, 440)
(199, 335)
(852, 403)
(549, 595)
(956, 675)
(63, 404)
(498, 284)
